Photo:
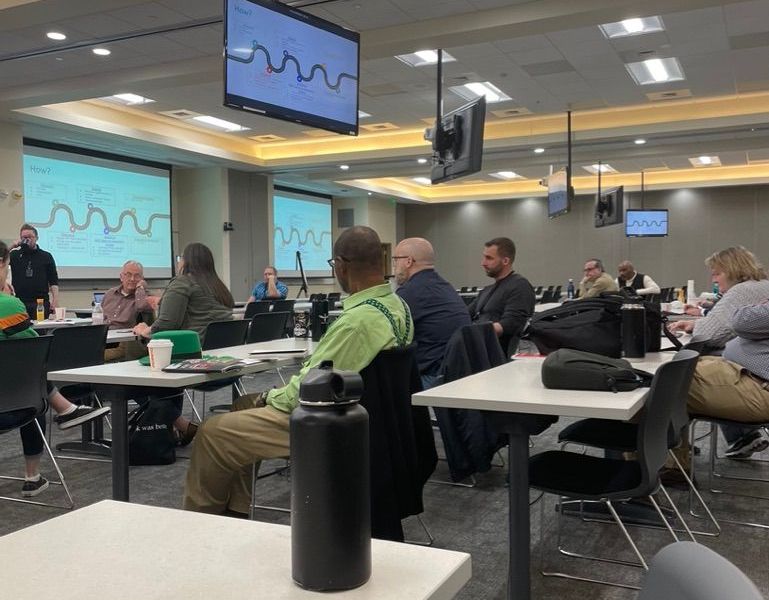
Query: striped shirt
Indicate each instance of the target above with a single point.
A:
(751, 348)
(716, 328)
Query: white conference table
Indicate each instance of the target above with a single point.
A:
(113, 335)
(146, 552)
(512, 391)
(115, 376)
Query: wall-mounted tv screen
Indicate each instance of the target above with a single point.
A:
(301, 223)
(559, 193)
(94, 211)
(646, 223)
(609, 207)
(285, 63)
(458, 142)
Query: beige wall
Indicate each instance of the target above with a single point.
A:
(11, 180)
(551, 251)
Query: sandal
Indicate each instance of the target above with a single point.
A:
(183, 438)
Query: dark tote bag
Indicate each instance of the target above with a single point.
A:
(150, 433)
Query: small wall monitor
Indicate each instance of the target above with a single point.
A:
(285, 63)
(458, 142)
(609, 207)
(646, 223)
(559, 194)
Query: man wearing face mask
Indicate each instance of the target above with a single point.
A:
(33, 272)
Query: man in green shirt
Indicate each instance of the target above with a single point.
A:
(373, 319)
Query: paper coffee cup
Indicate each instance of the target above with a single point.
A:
(61, 313)
(160, 353)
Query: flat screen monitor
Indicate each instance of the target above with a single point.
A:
(646, 223)
(559, 194)
(98, 297)
(94, 211)
(285, 63)
(609, 207)
(301, 224)
(458, 142)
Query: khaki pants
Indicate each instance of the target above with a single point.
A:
(225, 448)
(130, 350)
(725, 390)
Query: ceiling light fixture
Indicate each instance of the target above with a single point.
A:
(538, 150)
(476, 89)
(603, 168)
(56, 35)
(128, 99)
(507, 175)
(363, 114)
(423, 58)
(632, 26)
(422, 161)
(422, 180)
(101, 51)
(217, 123)
(705, 161)
(655, 70)
(639, 141)
(344, 167)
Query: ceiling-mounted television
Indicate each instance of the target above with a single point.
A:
(646, 223)
(609, 207)
(285, 63)
(559, 193)
(458, 142)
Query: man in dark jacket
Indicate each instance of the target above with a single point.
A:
(437, 309)
(509, 303)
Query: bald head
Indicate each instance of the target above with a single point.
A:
(411, 256)
(626, 270)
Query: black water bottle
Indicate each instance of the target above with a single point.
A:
(330, 483)
(633, 330)
(318, 319)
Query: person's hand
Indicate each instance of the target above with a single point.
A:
(685, 326)
(16, 243)
(142, 330)
(142, 284)
(154, 302)
(694, 311)
(271, 280)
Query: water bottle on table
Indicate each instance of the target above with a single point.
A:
(570, 290)
(97, 315)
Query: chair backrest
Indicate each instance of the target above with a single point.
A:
(679, 418)
(283, 306)
(666, 389)
(689, 571)
(267, 326)
(538, 290)
(77, 346)
(23, 372)
(464, 289)
(257, 308)
(221, 334)
(547, 296)
(471, 349)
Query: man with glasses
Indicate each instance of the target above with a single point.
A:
(596, 280)
(33, 272)
(123, 306)
(373, 319)
(437, 309)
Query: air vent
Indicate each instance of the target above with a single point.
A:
(669, 95)
(267, 137)
(511, 112)
(379, 127)
(180, 113)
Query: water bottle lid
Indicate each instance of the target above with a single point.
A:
(325, 386)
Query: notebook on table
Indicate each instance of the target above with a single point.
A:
(209, 364)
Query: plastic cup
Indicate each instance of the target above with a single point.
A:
(160, 354)
(61, 313)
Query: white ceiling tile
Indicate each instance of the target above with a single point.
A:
(149, 15)
(524, 43)
(537, 55)
(577, 36)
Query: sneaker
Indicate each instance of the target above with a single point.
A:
(30, 489)
(80, 415)
(755, 441)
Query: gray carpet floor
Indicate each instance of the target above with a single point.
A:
(472, 520)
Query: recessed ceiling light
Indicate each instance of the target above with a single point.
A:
(363, 114)
(423, 58)
(634, 26)
(217, 123)
(422, 180)
(422, 161)
(128, 99)
(476, 89)
(101, 51)
(371, 193)
(655, 70)
(506, 175)
(705, 161)
(639, 141)
(538, 150)
(344, 167)
(603, 168)
(55, 35)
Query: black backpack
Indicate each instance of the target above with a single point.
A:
(150, 433)
(575, 370)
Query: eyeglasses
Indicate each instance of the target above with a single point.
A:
(394, 258)
(332, 261)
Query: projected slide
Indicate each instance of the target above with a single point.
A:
(283, 62)
(304, 226)
(641, 223)
(94, 214)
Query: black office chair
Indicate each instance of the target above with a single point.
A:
(556, 294)
(547, 296)
(25, 398)
(605, 480)
(222, 334)
(268, 326)
(71, 348)
(257, 308)
(464, 289)
(538, 290)
(333, 298)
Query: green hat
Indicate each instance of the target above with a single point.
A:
(186, 344)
